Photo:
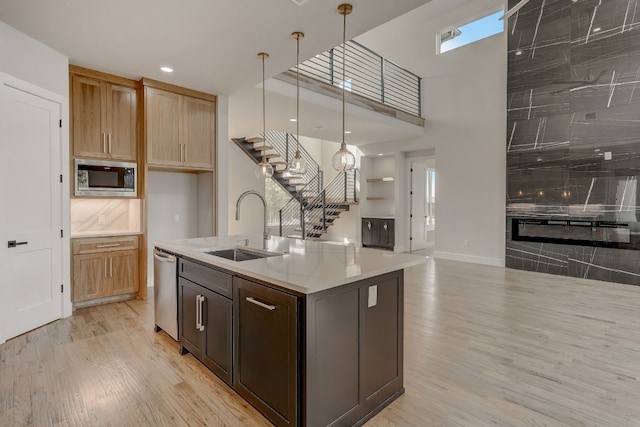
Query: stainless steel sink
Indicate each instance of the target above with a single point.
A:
(241, 254)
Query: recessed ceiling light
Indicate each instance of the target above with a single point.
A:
(167, 69)
(518, 52)
(596, 29)
(347, 131)
(380, 154)
(293, 120)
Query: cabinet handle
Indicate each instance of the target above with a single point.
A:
(109, 139)
(105, 268)
(202, 299)
(385, 226)
(261, 304)
(198, 307)
(369, 224)
(110, 245)
(104, 142)
(184, 159)
(110, 267)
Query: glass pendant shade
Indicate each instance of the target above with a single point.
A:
(343, 160)
(297, 165)
(264, 170)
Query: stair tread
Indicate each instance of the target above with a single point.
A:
(261, 148)
(255, 139)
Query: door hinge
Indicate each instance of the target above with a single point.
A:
(61, 234)
(60, 177)
(60, 122)
(62, 289)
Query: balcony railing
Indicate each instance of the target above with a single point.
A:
(369, 75)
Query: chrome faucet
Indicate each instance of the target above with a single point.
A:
(265, 236)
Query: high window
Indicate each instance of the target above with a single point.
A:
(475, 30)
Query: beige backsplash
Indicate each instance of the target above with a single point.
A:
(104, 216)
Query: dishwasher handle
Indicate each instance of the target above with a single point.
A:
(162, 257)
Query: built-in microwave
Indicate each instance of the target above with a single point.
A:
(104, 178)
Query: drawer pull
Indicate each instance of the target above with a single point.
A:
(261, 304)
(110, 245)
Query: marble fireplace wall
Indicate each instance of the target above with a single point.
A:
(573, 129)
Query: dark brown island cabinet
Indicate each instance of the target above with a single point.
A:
(329, 358)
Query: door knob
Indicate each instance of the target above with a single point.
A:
(13, 243)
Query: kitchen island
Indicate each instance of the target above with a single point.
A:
(309, 333)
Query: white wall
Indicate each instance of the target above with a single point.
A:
(174, 211)
(464, 101)
(39, 66)
(26, 58)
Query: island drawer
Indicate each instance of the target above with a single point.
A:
(210, 278)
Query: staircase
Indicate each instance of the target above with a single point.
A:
(312, 208)
(310, 218)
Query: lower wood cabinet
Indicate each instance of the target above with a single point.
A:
(266, 350)
(205, 317)
(104, 267)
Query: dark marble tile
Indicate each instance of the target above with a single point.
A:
(611, 265)
(540, 134)
(539, 257)
(532, 103)
(595, 20)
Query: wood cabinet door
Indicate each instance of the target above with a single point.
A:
(123, 272)
(189, 335)
(217, 350)
(89, 276)
(387, 233)
(89, 116)
(162, 110)
(198, 132)
(266, 350)
(122, 123)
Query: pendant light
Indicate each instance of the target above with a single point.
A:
(297, 165)
(264, 168)
(344, 160)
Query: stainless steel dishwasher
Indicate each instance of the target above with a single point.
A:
(165, 292)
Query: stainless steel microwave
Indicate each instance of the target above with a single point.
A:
(105, 178)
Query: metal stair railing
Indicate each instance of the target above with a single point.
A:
(317, 213)
(291, 214)
(285, 145)
(369, 75)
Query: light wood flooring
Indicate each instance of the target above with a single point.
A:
(484, 346)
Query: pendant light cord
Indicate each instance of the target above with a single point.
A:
(344, 67)
(264, 115)
(298, 95)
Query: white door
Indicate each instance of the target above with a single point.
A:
(418, 206)
(30, 212)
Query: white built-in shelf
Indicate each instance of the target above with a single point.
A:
(383, 179)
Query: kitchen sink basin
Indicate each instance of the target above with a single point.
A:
(241, 254)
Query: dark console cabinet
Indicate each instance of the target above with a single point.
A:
(378, 232)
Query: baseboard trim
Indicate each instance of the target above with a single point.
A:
(497, 262)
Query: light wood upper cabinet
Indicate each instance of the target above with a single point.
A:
(104, 118)
(163, 127)
(198, 132)
(179, 128)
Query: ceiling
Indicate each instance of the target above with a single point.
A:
(211, 44)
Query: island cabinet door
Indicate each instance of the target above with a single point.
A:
(266, 350)
(217, 322)
(189, 315)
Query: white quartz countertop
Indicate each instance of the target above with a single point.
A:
(305, 267)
